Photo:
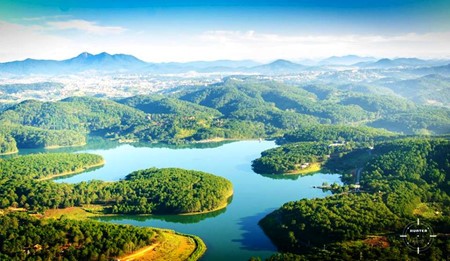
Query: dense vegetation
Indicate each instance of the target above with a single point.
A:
(236, 108)
(36, 166)
(318, 221)
(146, 191)
(170, 190)
(7, 144)
(401, 180)
(397, 175)
(315, 143)
(27, 238)
(335, 133)
(33, 137)
(290, 157)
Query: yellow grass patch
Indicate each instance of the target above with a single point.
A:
(313, 167)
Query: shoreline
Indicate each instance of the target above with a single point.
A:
(222, 206)
(9, 152)
(168, 235)
(82, 214)
(214, 140)
(65, 173)
(52, 147)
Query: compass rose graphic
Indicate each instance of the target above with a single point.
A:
(418, 236)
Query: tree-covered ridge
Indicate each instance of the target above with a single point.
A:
(335, 133)
(174, 191)
(36, 166)
(411, 171)
(425, 120)
(315, 143)
(290, 157)
(318, 221)
(170, 190)
(399, 176)
(64, 123)
(7, 144)
(27, 238)
(236, 108)
(75, 113)
(272, 102)
(158, 104)
(33, 137)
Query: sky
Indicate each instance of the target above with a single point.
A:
(264, 30)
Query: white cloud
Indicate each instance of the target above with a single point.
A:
(51, 40)
(20, 42)
(85, 26)
(274, 46)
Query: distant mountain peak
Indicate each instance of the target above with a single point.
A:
(84, 55)
(103, 54)
(281, 61)
(350, 59)
(384, 60)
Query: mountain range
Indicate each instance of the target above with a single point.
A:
(104, 62)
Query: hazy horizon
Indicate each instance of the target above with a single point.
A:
(175, 31)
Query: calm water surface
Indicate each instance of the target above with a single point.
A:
(231, 233)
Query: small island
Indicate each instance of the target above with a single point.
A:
(169, 191)
(149, 191)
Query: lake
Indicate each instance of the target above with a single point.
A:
(232, 233)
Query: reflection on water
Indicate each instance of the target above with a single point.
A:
(76, 174)
(231, 233)
(253, 241)
(183, 219)
(194, 145)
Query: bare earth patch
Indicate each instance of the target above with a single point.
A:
(170, 246)
(377, 241)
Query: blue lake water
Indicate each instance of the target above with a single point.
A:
(232, 233)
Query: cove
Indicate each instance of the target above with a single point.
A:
(231, 233)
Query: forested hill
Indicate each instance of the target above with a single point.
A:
(235, 109)
(24, 183)
(286, 106)
(402, 180)
(23, 237)
(76, 113)
(159, 104)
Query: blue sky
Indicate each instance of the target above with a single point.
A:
(208, 30)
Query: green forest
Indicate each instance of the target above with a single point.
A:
(23, 237)
(290, 157)
(169, 191)
(232, 109)
(37, 166)
(316, 143)
(346, 128)
(401, 175)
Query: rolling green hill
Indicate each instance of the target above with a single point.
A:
(237, 108)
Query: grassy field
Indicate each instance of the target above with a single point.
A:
(313, 167)
(428, 210)
(78, 213)
(169, 244)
